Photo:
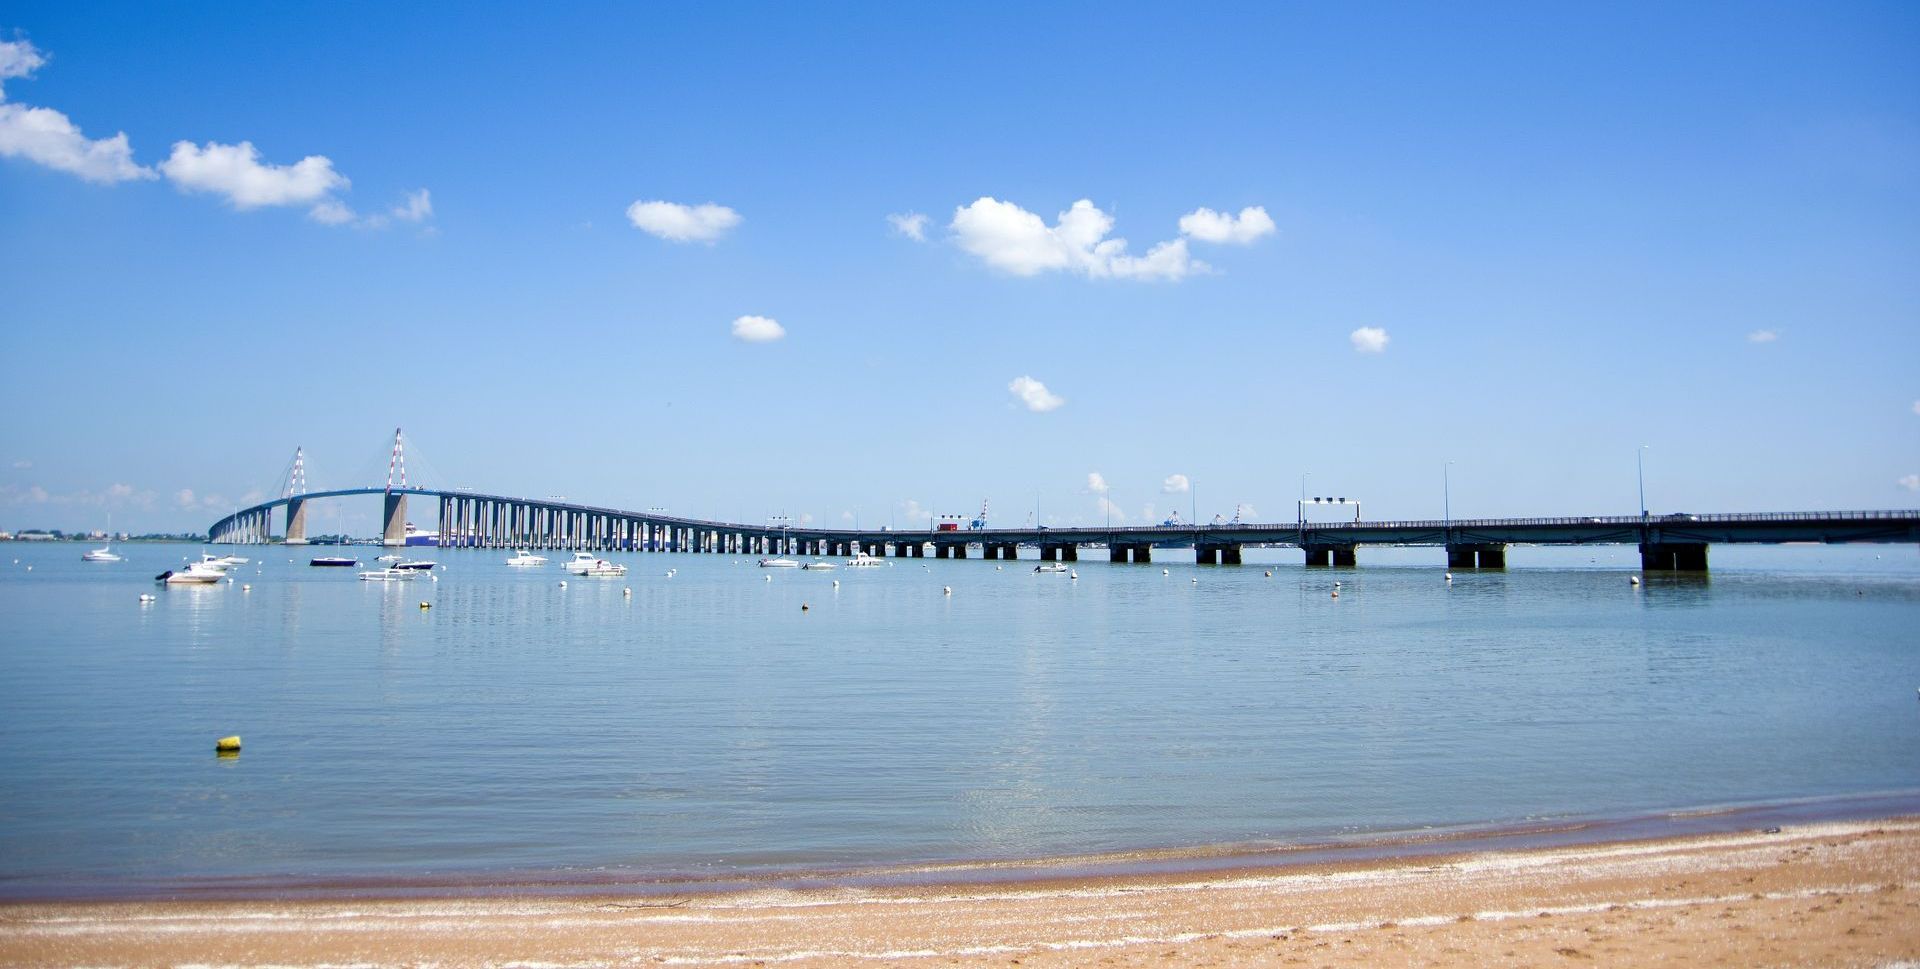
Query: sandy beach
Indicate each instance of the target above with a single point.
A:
(1835, 894)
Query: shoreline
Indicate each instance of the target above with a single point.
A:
(1198, 860)
(1838, 892)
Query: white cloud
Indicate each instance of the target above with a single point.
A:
(184, 498)
(1911, 482)
(1107, 509)
(237, 172)
(806, 518)
(418, 207)
(1176, 484)
(1206, 225)
(682, 223)
(23, 463)
(47, 137)
(19, 58)
(913, 225)
(758, 329)
(846, 516)
(1034, 395)
(1369, 339)
(1096, 483)
(911, 511)
(1916, 407)
(332, 212)
(119, 490)
(1010, 238)
(1763, 336)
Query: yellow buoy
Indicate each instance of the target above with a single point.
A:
(227, 743)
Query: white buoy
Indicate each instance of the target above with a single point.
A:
(1269, 573)
(1075, 575)
(1336, 585)
(628, 592)
(946, 590)
(995, 568)
(146, 597)
(769, 578)
(563, 583)
(1166, 572)
(1633, 580)
(246, 588)
(1449, 576)
(836, 583)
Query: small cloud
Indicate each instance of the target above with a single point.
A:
(1096, 483)
(19, 58)
(1763, 336)
(757, 329)
(846, 516)
(1012, 239)
(417, 207)
(913, 225)
(23, 464)
(1108, 509)
(184, 498)
(911, 511)
(237, 172)
(48, 137)
(1369, 339)
(1034, 395)
(1916, 410)
(119, 491)
(332, 212)
(806, 518)
(682, 223)
(1911, 482)
(1206, 225)
(1176, 484)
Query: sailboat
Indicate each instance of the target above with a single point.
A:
(105, 552)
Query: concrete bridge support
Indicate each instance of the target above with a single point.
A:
(1141, 554)
(395, 532)
(1673, 557)
(1205, 554)
(1059, 552)
(1323, 556)
(297, 522)
(1476, 556)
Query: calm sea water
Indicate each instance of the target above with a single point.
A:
(707, 725)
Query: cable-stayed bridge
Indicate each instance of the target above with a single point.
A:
(468, 519)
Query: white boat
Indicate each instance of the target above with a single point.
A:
(411, 565)
(862, 560)
(388, 558)
(523, 557)
(604, 569)
(581, 562)
(388, 575)
(102, 554)
(214, 562)
(779, 564)
(224, 561)
(194, 573)
(818, 565)
(1050, 567)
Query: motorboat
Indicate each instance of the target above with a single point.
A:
(1051, 567)
(229, 561)
(862, 560)
(215, 562)
(388, 575)
(818, 565)
(333, 562)
(102, 554)
(581, 562)
(193, 573)
(781, 563)
(388, 558)
(422, 565)
(601, 568)
(522, 557)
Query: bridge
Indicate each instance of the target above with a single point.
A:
(1675, 542)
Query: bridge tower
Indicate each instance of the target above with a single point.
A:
(296, 505)
(395, 532)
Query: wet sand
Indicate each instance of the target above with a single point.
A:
(1832, 894)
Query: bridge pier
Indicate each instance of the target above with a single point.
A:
(395, 532)
(1140, 553)
(1324, 556)
(1059, 552)
(1212, 554)
(1476, 556)
(297, 522)
(1673, 557)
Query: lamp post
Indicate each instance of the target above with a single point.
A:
(1303, 497)
(1640, 473)
(1446, 500)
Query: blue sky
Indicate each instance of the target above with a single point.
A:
(1579, 230)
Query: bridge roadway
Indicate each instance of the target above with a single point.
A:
(1666, 542)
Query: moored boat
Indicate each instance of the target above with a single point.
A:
(581, 562)
(193, 573)
(818, 565)
(779, 563)
(862, 560)
(388, 575)
(523, 558)
(1050, 567)
(411, 565)
(333, 562)
(601, 568)
(102, 554)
